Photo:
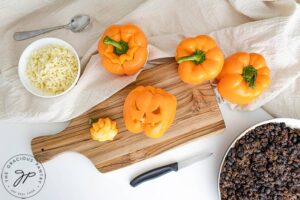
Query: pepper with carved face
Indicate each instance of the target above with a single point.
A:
(149, 109)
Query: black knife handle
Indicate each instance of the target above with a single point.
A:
(154, 173)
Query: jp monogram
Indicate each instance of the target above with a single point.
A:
(22, 176)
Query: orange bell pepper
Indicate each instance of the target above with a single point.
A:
(123, 49)
(243, 78)
(199, 58)
(149, 109)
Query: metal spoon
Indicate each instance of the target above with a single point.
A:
(77, 24)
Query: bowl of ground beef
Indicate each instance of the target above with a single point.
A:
(263, 163)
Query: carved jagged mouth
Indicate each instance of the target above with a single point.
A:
(143, 121)
(153, 124)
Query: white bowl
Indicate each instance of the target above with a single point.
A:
(292, 123)
(26, 56)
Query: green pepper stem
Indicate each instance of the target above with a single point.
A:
(197, 57)
(107, 40)
(120, 47)
(92, 120)
(250, 75)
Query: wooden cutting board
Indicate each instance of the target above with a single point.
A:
(197, 114)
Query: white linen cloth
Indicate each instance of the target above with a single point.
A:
(267, 27)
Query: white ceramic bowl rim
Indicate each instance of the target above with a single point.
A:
(292, 123)
(26, 55)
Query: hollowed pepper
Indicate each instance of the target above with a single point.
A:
(199, 58)
(123, 49)
(104, 129)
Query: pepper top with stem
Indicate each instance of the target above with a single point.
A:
(197, 57)
(123, 49)
(120, 47)
(249, 75)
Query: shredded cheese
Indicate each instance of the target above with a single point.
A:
(52, 69)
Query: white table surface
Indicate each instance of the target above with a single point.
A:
(71, 176)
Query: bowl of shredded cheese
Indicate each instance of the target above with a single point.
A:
(49, 67)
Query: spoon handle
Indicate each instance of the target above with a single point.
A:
(29, 34)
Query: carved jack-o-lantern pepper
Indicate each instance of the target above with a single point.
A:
(149, 109)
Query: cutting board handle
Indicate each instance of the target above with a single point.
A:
(44, 148)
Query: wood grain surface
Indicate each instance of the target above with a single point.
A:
(197, 114)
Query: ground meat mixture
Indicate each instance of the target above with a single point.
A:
(264, 164)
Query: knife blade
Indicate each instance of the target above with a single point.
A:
(157, 172)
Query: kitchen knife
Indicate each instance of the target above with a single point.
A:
(154, 173)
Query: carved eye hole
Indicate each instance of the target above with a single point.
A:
(156, 111)
(136, 107)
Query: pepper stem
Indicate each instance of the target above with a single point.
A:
(250, 75)
(92, 120)
(120, 47)
(197, 57)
